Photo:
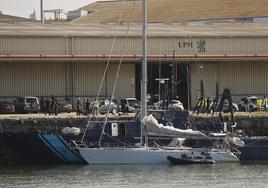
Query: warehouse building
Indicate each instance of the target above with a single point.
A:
(172, 11)
(70, 60)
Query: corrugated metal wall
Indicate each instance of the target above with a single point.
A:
(243, 78)
(157, 45)
(34, 79)
(217, 45)
(126, 80)
(103, 45)
(53, 78)
(88, 78)
(45, 79)
(37, 45)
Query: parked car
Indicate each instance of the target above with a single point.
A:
(159, 105)
(151, 100)
(27, 105)
(226, 106)
(64, 106)
(173, 105)
(117, 102)
(252, 103)
(130, 104)
(6, 107)
(104, 106)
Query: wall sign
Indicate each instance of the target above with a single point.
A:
(200, 45)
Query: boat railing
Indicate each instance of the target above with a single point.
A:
(79, 144)
(236, 152)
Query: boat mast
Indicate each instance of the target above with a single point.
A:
(144, 67)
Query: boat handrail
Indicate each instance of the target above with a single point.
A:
(79, 144)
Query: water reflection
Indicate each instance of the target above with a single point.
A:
(217, 175)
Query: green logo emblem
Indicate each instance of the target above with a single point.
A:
(201, 45)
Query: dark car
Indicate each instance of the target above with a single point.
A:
(6, 107)
(27, 105)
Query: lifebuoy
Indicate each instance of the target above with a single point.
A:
(169, 123)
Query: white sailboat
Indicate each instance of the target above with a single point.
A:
(154, 155)
(145, 154)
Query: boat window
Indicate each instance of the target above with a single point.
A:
(157, 115)
(121, 129)
(169, 115)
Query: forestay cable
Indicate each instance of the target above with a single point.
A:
(108, 62)
(118, 70)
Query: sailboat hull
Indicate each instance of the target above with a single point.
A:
(147, 156)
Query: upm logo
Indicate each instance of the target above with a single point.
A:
(201, 45)
(185, 45)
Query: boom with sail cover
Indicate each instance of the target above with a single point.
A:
(153, 128)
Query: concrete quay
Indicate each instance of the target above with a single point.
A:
(30, 122)
(257, 122)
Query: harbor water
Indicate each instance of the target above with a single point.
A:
(216, 175)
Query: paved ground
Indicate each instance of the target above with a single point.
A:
(61, 116)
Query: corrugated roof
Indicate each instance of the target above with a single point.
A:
(174, 10)
(157, 29)
(12, 19)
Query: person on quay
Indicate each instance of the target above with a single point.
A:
(42, 105)
(48, 106)
(54, 105)
(96, 107)
(265, 103)
(87, 106)
(79, 107)
(247, 104)
(259, 103)
(84, 110)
